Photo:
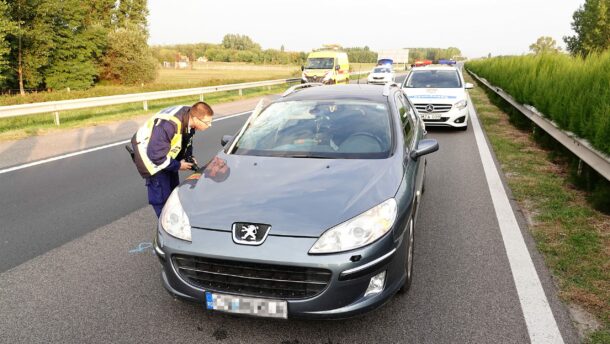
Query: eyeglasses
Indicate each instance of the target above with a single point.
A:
(208, 122)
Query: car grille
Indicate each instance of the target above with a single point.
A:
(266, 280)
(438, 108)
(314, 79)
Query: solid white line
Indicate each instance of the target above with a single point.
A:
(69, 155)
(538, 315)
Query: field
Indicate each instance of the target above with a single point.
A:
(214, 73)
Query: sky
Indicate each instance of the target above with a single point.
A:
(476, 27)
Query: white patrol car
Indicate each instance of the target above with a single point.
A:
(439, 95)
(381, 75)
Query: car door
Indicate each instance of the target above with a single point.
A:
(412, 133)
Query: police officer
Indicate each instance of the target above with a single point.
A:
(162, 145)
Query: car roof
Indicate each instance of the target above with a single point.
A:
(366, 92)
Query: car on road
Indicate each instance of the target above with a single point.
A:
(327, 67)
(309, 211)
(381, 75)
(440, 96)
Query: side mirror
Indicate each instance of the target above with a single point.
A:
(302, 68)
(337, 67)
(424, 147)
(225, 139)
(468, 86)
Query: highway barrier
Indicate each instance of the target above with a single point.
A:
(581, 148)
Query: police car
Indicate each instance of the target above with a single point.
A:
(439, 95)
(381, 75)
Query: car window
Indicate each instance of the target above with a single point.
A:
(382, 70)
(406, 114)
(341, 129)
(320, 63)
(434, 79)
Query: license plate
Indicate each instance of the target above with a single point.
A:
(432, 116)
(246, 305)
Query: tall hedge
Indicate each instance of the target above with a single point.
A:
(571, 91)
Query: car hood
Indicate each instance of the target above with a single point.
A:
(296, 196)
(436, 95)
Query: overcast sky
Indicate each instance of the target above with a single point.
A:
(477, 27)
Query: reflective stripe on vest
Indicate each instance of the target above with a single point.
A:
(143, 138)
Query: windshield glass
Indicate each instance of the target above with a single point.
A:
(320, 63)
(340, 129)
(382, 70)
(434, 79)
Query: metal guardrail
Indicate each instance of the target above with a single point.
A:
(73, 104)
(580, 147)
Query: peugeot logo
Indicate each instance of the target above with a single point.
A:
(250, 233)
(429, 108)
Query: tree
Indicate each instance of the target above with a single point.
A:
(544, 45)
(132, 12)
(6, 27)
(239, 42)
(592, 26)
(128, 58)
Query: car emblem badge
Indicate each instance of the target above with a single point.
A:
(250, 233)
(429, 108)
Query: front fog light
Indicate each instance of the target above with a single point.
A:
(376, 284)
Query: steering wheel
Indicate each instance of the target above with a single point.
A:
(365, 134)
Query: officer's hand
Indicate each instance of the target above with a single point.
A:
(185, 165)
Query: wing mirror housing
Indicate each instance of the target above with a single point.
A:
(225, 139)
(424, 147)
(468, 86)
(337, 67)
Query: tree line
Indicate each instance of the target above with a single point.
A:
(59, 44)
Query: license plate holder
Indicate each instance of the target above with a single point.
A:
(246, 305)
(432, 116)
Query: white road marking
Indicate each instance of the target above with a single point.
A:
(69, 155)
(538, 315)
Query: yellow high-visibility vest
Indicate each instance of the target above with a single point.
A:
(143, 138)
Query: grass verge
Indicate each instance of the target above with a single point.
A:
(15, 128)
(573, 237)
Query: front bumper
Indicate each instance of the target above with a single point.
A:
(378, 81)
(454, 118)
(342, 297)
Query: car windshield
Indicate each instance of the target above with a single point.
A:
(382, 70)
(434, 79)
(337, 129)
(320, 63)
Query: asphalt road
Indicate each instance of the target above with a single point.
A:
(76, 264)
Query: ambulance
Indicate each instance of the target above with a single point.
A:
(327, 67)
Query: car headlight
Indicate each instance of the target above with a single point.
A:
(173, 218)
(358, 231)
(461, 104)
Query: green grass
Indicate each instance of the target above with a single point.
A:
(168, 79)
(573, 237)
(23, 126)
(571, 91)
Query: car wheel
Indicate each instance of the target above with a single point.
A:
(409, 257)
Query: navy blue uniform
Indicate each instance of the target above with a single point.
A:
(161, 184)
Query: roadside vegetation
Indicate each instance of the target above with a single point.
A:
(571, 91)
(24, 126)
(573, 237)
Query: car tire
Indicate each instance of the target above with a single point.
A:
(409, 257)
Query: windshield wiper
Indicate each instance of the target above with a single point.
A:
(314, 156)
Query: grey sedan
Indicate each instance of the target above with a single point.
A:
(309, 210)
